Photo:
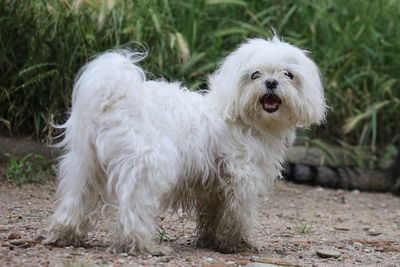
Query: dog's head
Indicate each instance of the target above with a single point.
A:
(267, 83)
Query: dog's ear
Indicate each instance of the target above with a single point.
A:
(224, 85)
(224, 88)
(316, 107)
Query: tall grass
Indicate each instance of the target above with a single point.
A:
(356, 44)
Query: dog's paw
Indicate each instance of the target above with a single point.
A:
(227, 246)
(64, 239)
(205, 240)
(63, 235)
(132, 248)
(235, 247)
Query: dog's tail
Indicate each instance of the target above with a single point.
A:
(101, 83)
(111, 73)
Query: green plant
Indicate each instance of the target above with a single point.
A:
(388, 156)
(29, 169)
(303, 228)
(163, 235)
(356, 44)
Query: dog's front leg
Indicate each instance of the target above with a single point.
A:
(237, 217)
(227, 225)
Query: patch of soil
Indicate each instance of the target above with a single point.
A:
(360, 229)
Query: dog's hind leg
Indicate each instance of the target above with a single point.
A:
(77, 195)
(140, 179)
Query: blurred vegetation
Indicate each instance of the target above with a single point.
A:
(356, 44)
(31, 168)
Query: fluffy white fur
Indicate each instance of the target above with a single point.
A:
(145, 146)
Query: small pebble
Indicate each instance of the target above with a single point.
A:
(372, 232)
(208, 259)
(14, 235)
(18, 242)
(124, 254)
(26, 245)
(340, 192)
(341, 245)
(328, 253)
(4, 228)
(341, 228)
(165, 259)
(357, 245)
(40, 238)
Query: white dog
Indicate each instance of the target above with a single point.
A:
(145, 146)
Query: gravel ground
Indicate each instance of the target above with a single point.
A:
(296, 222)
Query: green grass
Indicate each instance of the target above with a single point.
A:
(31, 168)
(303, 228)
(356, 44)
(163, 235)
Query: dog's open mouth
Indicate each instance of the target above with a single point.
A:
(270, 103)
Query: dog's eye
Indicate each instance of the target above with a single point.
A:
(289, 74)
(255, 75)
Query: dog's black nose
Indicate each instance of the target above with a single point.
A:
(271, 83)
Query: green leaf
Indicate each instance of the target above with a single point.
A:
(226, 2)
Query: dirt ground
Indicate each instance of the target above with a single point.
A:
(295, 222)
